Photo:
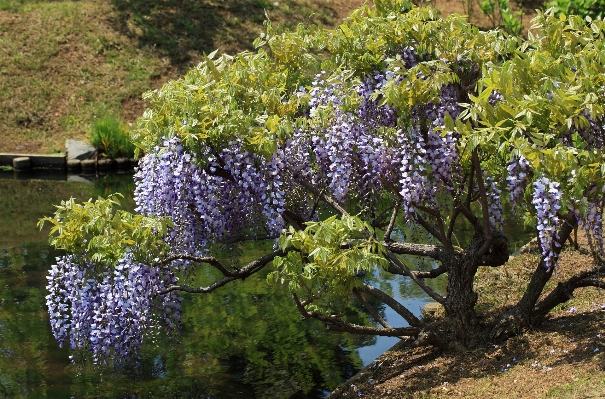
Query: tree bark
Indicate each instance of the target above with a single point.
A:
(461, 300)
(523, 314)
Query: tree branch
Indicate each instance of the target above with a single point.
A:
(342, 326)
(371, 309)
(393, 304)
(564, 290)
(315, 296)
(427, 226)
(389, 230)
(320, 194)
(241, 273)
(486, 227)
(403, 248)
(212, 261)
(470, 216)
(433, 273)
(391, 257)
(450, 229)
(294, 219)
(441, 236)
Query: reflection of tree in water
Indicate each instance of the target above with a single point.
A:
(25, 337)
(109, 184)
(247, 342)
(279, 354)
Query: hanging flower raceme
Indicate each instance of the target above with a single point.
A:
(547, 201)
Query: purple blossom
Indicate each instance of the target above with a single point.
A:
(546, 199)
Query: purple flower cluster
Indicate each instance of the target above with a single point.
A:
(409, 56)
(518, 176)
(495, 97)
(350, 152)
(494, 203)
(235, 191)
(429, 160)
(546, 199)
(109, 312)
(360, 150)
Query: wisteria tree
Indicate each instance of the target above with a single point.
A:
(330, 143)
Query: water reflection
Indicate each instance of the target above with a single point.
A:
(245, 341)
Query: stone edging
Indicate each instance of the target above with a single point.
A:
(36, 161)
(23, 163)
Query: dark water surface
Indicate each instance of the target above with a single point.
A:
(246, 340)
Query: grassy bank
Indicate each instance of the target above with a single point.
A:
(65, 63)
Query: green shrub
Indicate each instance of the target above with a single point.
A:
(501, 14)
(584, 8)
(110, 137)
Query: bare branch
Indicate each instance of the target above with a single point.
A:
(391, 257)
(389, 230)
(300, 306)
(450, 229)
(294, 219)
(564, 290)
(470, 216)
(393, 304)
(342, 326)
(431, 273)
(212, 261)
(441, 236)
(404, 248)
(315, 296)
(252, 237)
(371, 309)
(320, 194)
(242, 273)
(421, 221)
(471, 184)
(335, 323)
(304, 285)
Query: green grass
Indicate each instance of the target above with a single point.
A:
(110, 137)
(62, 61)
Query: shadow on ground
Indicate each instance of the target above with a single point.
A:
(182, 30)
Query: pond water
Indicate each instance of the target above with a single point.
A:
(245, 340)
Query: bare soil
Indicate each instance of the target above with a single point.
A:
(562, 358)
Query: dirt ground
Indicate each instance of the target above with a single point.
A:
(562, 358)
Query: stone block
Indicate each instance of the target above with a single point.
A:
(74, 166)
(22, 164)
(88, 166)
(81, 150)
